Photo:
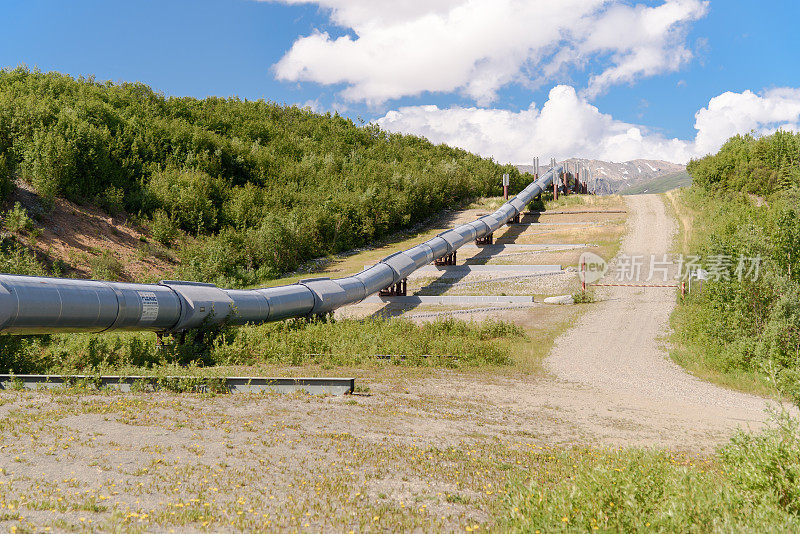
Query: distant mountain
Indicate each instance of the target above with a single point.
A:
(608, 177)
(660, 185)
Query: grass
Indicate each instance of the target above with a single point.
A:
(598, 202)
(662, 184)
(750, 485)
(346, 343)
(677, 206)
(704, 359)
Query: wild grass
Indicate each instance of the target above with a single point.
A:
(106, 266)
(446, 343)
(589, 201)
(749, 486)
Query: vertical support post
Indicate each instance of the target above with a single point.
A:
(555, 178)
(488, 239)
(583, 275)
(683, 288)
(506, 182)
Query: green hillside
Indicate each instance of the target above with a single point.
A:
(242, 190)
(745, 324)
(660, 185)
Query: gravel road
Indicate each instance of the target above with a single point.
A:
(618, 348)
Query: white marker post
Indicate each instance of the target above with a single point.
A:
(506, 182)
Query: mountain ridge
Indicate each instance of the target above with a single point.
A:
(608, 177)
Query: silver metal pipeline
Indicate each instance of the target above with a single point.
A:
(39, 305)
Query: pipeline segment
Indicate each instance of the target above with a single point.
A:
(39, 305)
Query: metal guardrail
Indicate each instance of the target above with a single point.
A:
(230, 384)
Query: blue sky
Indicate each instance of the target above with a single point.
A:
(375, 60)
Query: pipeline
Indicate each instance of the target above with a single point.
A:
(39, 305)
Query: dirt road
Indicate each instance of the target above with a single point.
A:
(619, 346)
(618, 349)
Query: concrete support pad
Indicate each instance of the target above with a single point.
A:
(576, 223)
(521, 247)
(468, 269)
(532, 212)
(451, 300)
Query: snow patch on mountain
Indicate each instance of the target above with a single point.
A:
(607, 177)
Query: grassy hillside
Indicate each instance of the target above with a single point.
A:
(744, 213)
(660, 185)
(241, 190)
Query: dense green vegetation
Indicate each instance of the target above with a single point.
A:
(660, 185)
(751, 485)
(443, 343)
(245, 190)
(742, 325)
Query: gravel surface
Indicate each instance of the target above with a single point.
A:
(618, 347)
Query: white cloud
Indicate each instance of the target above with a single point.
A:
(732, 113)
(405, 48)
(651, 42)
(569, 126)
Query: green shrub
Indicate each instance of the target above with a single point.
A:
(191, 197)
(112, 200)
(767, 465)
(745, 328)
(16, 219)
(106, 266)
(231, 171)
(6, 178)
(583, 297)
(15, 258)
(163, 228)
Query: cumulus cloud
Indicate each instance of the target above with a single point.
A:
(732, 113)
(476, 47)
(567, 125)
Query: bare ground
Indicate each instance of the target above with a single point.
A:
(79, 235)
